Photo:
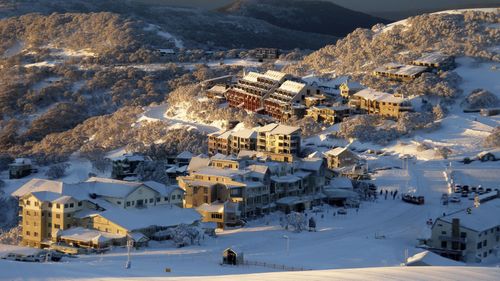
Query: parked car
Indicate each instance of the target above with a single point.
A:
(342, 211)
(457, 189)
(13, 257)
(480, 190)
(455, 199)
(32, 258)
(474, 189)
(488, 190)
(419, 200)
(465, 194)
(465, 188)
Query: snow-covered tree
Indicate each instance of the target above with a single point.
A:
(185, 235)
(493, 140)
(57, 171)
(295, 222)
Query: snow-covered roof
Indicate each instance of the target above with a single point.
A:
(197, 162)
(341, 182)
(134, 219)
(185, 155)
(218, 89)
(110, 187)
(252, 76)
(164, 190)
(88, 235)
(429, 258)
(311, 164)
(285, 179)
(46, 196)
(352, 85)
(266, 128)
(138, 236)
(338, 193)
(21, 161)
(284, 130)
(35, 185)
(432, 58)
(274, 75)
(245, 133)
(482, 218)
(336, 151)
(211, 208)
(373, 95)
(292, 86)
(401, 69)
(131, 157)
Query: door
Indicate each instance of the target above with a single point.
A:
(140, 203)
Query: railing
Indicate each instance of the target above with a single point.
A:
(453, 239)
(274, 266)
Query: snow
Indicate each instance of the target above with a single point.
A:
(432, 259)
(292, 87)
(373, 95)
(14, 49)
(41, 64)
(167, 35)
(483, 218)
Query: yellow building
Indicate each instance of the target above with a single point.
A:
(380, 103)
(48, 209)
(328, 114)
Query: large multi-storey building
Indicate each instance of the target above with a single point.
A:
(280, 139)
(374, 102)
(251, 90)
(399, 72)
(225, 189)
(288, 98)
(435, 61)
(328, 114)
(470, 235)
(103, 206)
(272, 138)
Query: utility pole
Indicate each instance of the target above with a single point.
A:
(287, 244)
(129, 246)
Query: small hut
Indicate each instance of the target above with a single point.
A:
(232, 256)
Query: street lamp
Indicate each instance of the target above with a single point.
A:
(287, 244)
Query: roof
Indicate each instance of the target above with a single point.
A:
(482, 218)
(338, 193)
(185, 155)
(218, 89)
(252, 76)
(35, 185)
(197, 162)
(110, 187)
(46, 196)
(292, 86)
(274, 75)
(285, 179)
(245, 133)
(161, 188)
(311, 164)
(341, 182)
(432, 58)
(284, 130)
(138, 236)
(401, 69)
(88, 235)
(131, 157)
(373, 95)
(134, 219)
(429, 258)
(336, 151)
(266, 128)
(211, 208)
(21, 161)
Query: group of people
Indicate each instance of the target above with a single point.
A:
(393, 193)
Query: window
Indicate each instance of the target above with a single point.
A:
(157, 199)
(50, 215)
(479, 245)
(205, 190)
(35, 234)
(28, 233)
(58, 216)
(463, 234)
(151, 200)
(50, 205)
(166, 198)
(68, 215)
(119, 202)
(205, 199)
(128, 203)
(443, 232)
(58, 206)
(28, 202)
(49, 224)
(36, 203)
(216, 216)
(79, 203)
(173, 197)
(485, 242)
(65, 205)
(71, 205)
(57, 226)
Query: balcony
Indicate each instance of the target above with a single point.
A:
(453, 239)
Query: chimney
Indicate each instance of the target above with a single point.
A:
(455, 228)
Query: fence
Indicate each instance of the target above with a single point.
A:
(275, 266)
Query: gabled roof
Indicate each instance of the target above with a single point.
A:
(284, 130)
(311, 164)
(35, 185)
(185, 155)
(266, 128)
(110, 187)
(274, 75)
(373, 95)
(245, 133)
(292, 86)
(164, 190)
(336, 151)
(198, 162)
